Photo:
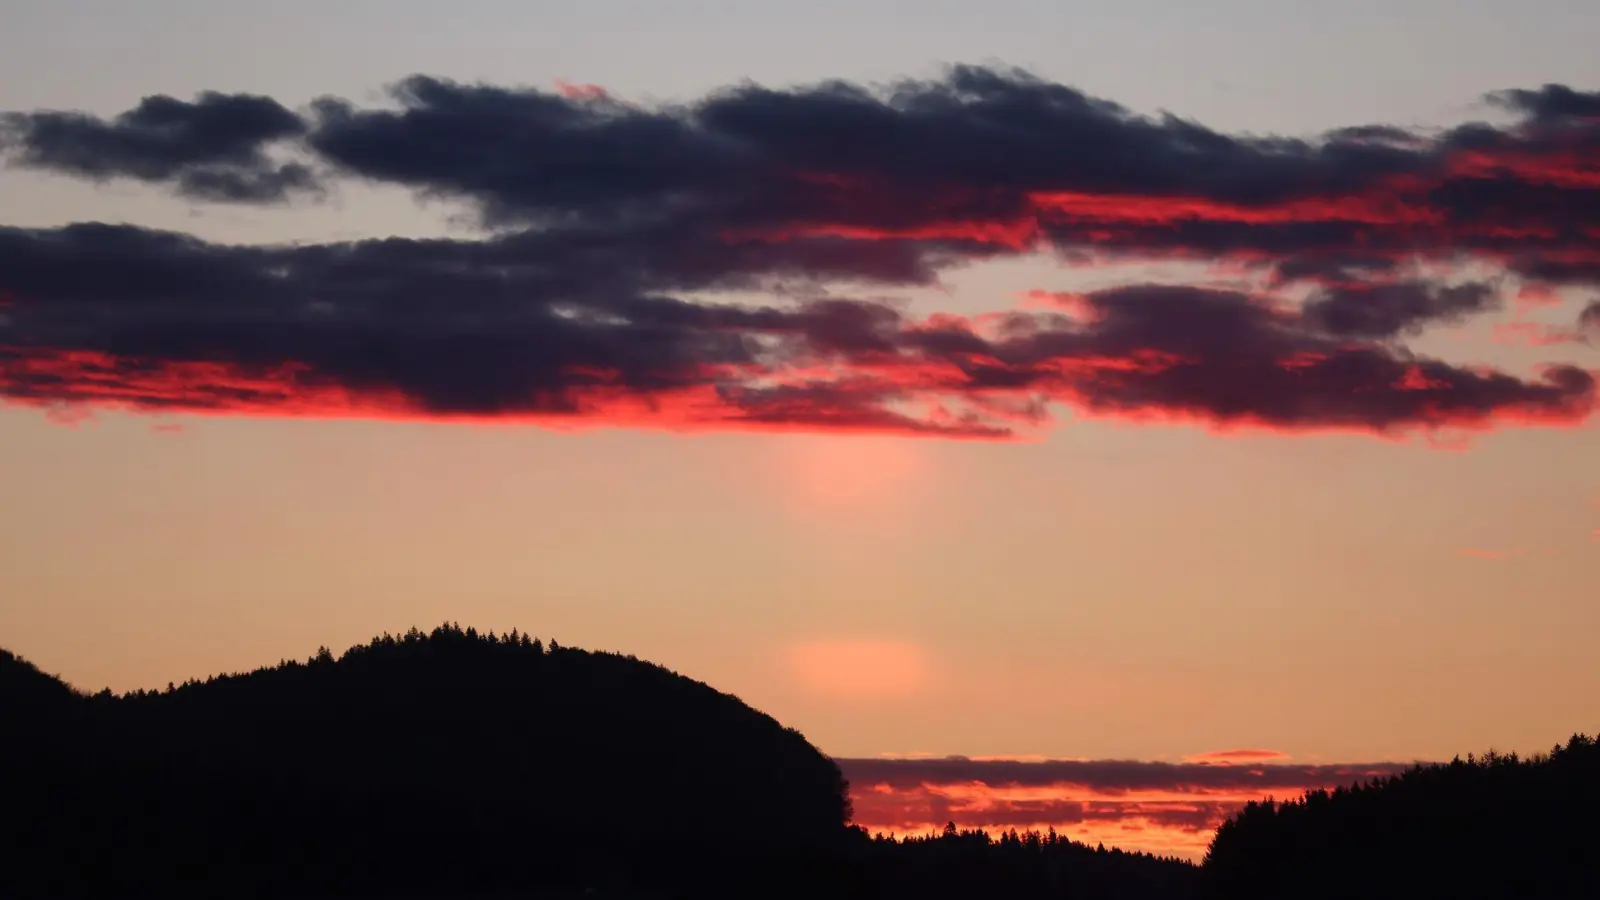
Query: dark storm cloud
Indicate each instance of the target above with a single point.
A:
(1007, 129)
(451, 328)
(1387, 310)
(529, 154)
(1229, 358)
(212, 148)
(1553, 102)
(983, 156)
(1107, 777)
(618, 224)
(991, 154)
(507, 327)
(981, 139)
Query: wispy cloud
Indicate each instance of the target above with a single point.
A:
(1231, 757)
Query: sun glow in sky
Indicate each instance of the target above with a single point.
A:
(860, 670)
(832, 475)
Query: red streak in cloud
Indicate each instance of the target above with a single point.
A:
(1302, 360)
(1137, 362)
(1535, 296)
(1430, 421)
(1017, 235)
(854, 196)
(80, 379)
(1565, 170)
(1390, 217)
(1415, 380)
(1156, 210)
(1228, 757)
(1072, 303)
(876, 394)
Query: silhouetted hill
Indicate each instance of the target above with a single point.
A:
(1495, 827)
(26, 692)
(419, 762)
(456, 764)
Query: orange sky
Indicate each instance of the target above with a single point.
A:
(881, 548)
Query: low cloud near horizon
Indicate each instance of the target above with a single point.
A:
(1159, 807)
(597, 292)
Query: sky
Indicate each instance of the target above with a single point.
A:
(1028, 402)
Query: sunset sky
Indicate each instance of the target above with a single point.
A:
(1079, 414)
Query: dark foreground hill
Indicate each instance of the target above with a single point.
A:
(458, 764)
(1492, 828)
(416, 763)
(454, 764)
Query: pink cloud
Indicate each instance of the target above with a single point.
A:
(577, 91)
(1537, 296)
(1230, 757)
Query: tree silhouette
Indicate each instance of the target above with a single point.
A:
(455, 762)
(1495, 826)
(425, 760)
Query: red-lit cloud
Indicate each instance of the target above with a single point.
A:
(1537, 296)
(1167, 808)
(594, 301)
(1231, 757)
(576, 91)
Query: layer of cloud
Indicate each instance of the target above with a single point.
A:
(1231, 757)
(1161, 807)
(211, 148)
(117, 315)
(594, 300)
